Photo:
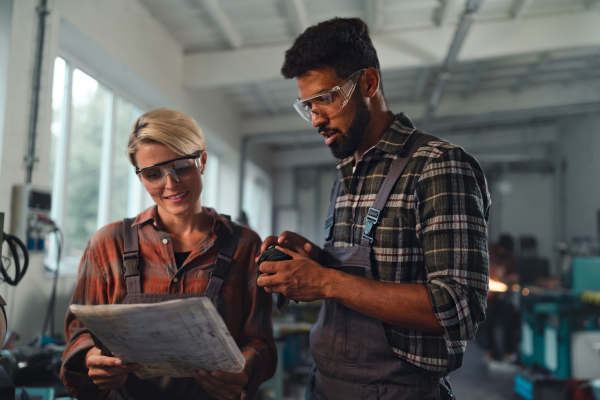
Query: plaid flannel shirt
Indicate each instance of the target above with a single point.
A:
(247, 307)
(432, 231)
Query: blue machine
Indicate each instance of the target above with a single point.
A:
(560, 333)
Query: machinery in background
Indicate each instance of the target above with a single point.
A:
(3, 319)
(560, 337)
(32, 365)
(7, 387)
(30, 216)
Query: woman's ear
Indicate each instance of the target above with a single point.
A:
(203, 158)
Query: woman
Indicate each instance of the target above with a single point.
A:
(178, 244)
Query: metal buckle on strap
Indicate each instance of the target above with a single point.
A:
(370, 223)
(328, 227)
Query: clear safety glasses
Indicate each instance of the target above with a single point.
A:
(328, 102)
(155, 176)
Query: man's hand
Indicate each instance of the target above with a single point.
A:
(294, 242)
(224, 385)
(300, 279)
(107, 372)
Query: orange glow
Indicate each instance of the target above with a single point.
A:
(496, 286)
(525, 292)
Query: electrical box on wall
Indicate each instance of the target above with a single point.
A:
(30, 215)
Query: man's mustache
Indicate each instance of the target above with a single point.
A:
(324, 128)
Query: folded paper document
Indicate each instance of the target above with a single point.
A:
(171, 338)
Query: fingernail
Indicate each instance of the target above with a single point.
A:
(118, 362)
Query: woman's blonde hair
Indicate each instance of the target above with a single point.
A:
(179, 132)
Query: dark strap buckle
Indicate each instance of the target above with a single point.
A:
(328, 227)
(131, 266)
(370, 223)
(221, 267)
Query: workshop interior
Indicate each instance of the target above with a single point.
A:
(516, 83)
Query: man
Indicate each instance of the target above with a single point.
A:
(404, 272)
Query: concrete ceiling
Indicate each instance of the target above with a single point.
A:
(203, 25)
(522, 59)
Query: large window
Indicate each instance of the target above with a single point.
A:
(258, 204)
(92, 180)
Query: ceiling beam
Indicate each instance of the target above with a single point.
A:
(298, 15)
(374, 14)
(519, 8)
(303, 157)
(407, 49)
(532, 71)
(508, 139)
(265, 96)
(421, 83)
(445, 12)
(480, 103)
(476, 79)
(220, 17)
(590, 4)
(462, 31)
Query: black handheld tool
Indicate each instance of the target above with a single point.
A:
(273, 254)
(105, 352)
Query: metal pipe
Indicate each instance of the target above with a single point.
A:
(243, 156)
(30, 158)
(443, 77)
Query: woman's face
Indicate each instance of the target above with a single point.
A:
(176, 198)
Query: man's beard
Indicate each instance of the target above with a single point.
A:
(347, 144)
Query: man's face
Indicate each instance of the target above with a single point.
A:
(346, 130)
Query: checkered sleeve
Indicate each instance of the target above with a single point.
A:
(90, 289)
(452, 206)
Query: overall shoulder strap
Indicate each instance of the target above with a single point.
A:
(330, 214)
(131, 256)
(228, 242)
(395, 172)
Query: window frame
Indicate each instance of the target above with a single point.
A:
(59, 187)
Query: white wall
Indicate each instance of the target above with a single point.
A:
(579, 146)
(524, 204)
(124, 44)
(305, 193)
(5, 30)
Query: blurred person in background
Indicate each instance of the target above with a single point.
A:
(178, 243)
(502, 325)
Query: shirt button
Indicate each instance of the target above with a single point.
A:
(175, 279)
(165, 241)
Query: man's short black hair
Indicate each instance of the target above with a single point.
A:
(342, 44)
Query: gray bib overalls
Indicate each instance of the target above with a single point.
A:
(167, 388)
(353, 359)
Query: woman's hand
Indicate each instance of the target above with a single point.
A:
(224, 385)
(107, 372)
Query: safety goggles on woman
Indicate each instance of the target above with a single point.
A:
(328, 102)
(155, 176)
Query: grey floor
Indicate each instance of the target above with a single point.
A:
(474, 382)
(471, 382)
